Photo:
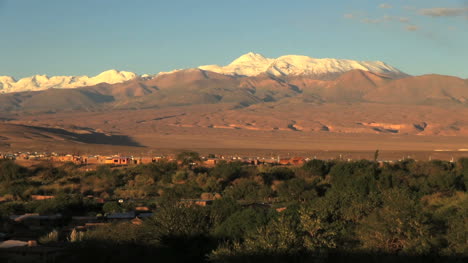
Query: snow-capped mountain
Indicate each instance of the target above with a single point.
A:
(42, 82)
(252, 64)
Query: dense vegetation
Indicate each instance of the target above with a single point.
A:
(335, 211)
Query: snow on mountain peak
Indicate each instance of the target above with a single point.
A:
(250, 58)
(42, 82)
(252, 64)
(113, 76)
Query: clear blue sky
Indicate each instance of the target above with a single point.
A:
(75, 37)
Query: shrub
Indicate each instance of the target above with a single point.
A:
(51, 237)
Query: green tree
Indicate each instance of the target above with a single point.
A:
(317, 167)
(180, 176)
(112, 207)
(295, 189)
(462, 166)
(321, 229)
(227, 171)
(247, 189)
(400, 225)
(242, 222)
(10, 171)
(278, 241)
(281, 235)
(178, 220)
(360, 177)
(188, 158)
(451, 212)
(223, 208)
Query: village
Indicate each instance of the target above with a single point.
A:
(123, 160)
(23, 229)
(51, 202)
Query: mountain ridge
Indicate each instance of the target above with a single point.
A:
(247, 65)
(196, 86)
(42, 82)
(186, 105)
(253, 64)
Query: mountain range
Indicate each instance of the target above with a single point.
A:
(250, 100)
(43, 82)
(250, 64)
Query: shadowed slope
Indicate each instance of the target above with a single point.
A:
(427, 89)
(13, 135)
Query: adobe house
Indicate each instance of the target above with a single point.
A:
(211, 161)
(144, 160)
(107, 160)
(68, 158)
(23, 156)
(253, 162)
(297, 161)
(92, 160)
(292, 161)
(118, 160)
(9, 156)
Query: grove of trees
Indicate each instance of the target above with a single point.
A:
(323, 211)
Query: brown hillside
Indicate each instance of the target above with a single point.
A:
(186, 105)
